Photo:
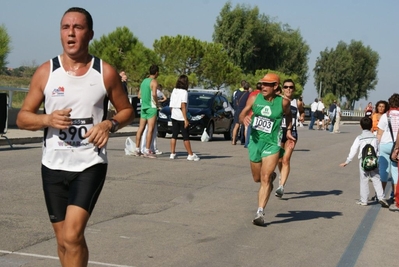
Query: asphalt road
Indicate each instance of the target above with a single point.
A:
(162, 212)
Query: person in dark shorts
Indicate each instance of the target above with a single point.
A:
(296, 108)
(75, 87)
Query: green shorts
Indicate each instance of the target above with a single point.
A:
(148, 113)
(260, 150)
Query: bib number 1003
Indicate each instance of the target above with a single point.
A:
(263, 124)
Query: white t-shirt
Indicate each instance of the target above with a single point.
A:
(320, 106)
(338, 113)
(313, 107)
(177, 97)
(383, 125)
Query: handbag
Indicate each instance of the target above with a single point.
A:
(395, 150)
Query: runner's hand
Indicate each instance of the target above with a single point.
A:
(289, 136)
(99, 134)
(60, 119)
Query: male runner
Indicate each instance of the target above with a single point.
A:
(75, 87)
(264, 144)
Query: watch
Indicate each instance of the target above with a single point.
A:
(115, 125)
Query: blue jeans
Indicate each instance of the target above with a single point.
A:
(312, 120)
(386, 166)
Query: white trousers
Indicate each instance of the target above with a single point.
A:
(374, 176)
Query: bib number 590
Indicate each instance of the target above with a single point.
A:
(72, 132)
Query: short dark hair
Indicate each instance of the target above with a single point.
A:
(246, 86)
(89, 19)
(182, 82)
(243, 82)
(289, 81)
(154, 69)
(394, 101)
(366, 123)
(385, 103)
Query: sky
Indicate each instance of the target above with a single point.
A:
(34, 27)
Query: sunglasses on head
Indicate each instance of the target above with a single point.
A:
(286, 87)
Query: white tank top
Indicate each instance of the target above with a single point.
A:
(294, 112)
(87, 97)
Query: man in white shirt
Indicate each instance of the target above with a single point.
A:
(313, 108)
(320, 115)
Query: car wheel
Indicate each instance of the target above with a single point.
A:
(228, 135)
(210, 131)
(161, 134)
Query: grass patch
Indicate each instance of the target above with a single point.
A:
(17, 82)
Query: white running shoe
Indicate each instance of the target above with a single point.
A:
(280, 191)
(259, 219)
(157, 152)
(193, 157)
(172, 156)
(149, 154)
(361, 203)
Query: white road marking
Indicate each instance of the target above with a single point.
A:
(56, 258)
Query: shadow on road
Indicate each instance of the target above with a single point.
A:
(305, 194)
(305, 215)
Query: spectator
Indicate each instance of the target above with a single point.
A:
(337, 119)
(380, 108)
(179, 108)
(386, 139)
(240, 101)
(313, 113)
(366, 137)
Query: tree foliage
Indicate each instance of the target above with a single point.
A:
(5, 48)
(348, 71)
(255, 42)
(125, 52)
(207, 64)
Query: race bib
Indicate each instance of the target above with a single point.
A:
(263, 124)
(73, 137)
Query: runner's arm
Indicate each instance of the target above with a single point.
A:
(243, 116)
(27, 118)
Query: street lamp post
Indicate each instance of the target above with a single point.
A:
(320, 90)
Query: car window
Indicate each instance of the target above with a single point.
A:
(218, 102)
(198, 100)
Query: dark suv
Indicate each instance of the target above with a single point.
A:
(206, 110)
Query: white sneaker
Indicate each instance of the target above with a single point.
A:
(361, 203)
(259, 219)
(172, 156)
(193, 157)
(158, 152)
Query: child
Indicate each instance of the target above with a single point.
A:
(367, 137)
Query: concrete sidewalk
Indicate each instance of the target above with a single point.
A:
(17, 136)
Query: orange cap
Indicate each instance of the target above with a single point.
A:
(270, 78)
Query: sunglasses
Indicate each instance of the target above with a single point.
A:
(286, 87)
(268, 84)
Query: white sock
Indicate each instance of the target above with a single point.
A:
(260, 210)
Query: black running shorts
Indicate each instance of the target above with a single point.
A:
(63, 188)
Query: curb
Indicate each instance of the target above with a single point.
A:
(33, 140)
